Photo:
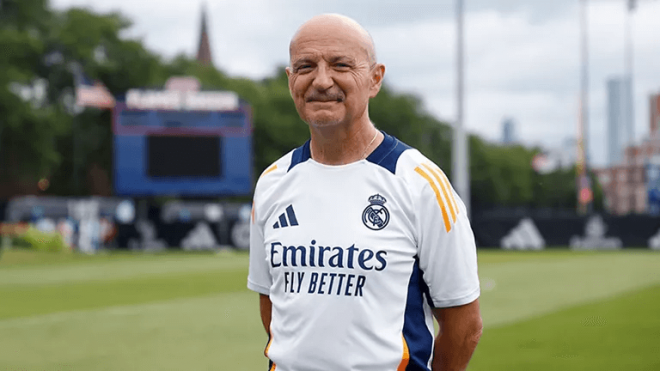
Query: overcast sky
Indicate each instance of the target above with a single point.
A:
(522, 57)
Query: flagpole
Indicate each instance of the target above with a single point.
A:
(460, 168)
(76, 70)
(629, 73)
(582, 185)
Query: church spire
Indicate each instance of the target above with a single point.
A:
(204, 50)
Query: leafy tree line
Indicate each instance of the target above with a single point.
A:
(43, 136)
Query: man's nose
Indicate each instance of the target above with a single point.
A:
(323, 79)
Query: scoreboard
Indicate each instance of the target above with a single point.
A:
(182, 152)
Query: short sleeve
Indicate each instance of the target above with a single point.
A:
(259, 278)
(446, 247)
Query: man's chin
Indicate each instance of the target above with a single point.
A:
(322, 120)
(323, 123)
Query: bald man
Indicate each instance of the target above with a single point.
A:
(358, 240)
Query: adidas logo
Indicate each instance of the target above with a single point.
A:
(594, 237)
(287, 218)
(525, 236)
(200, 238)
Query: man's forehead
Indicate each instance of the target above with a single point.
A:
(327, 41)
(312, 51)
(327, 32)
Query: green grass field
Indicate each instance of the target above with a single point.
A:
(552, 310)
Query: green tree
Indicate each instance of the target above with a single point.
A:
(28, 123)
(42, 135)
(91, 44)
(402, 115)
(500, 176)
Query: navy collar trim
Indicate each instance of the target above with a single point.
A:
(386, 154)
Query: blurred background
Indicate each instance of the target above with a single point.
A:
(133, 127)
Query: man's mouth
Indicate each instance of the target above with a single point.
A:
(325, 100)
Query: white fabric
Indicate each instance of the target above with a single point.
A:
(339, 288)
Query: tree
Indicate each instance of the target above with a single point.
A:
(91, 43)
(28, 123)
(41, 135)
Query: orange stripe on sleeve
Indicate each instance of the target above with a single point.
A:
(274, 167)
(451, 193)
(445, 217)
(252, 213)
(435, 172)
(405, 358)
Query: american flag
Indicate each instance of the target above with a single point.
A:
(92, 93)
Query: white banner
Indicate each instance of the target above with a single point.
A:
(182, 100)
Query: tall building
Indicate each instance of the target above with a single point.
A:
(654, 114)
(204, 49)
(626, 185)
(620, 126)
(508, 131)
(633, 184)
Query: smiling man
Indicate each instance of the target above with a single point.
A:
(357, 240)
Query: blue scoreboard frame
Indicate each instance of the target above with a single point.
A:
(182, 153)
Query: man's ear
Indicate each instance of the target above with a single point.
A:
(288, 75)
(377, 73)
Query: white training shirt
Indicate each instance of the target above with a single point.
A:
(353, 258)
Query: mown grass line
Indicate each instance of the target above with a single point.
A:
(30, 300)
(110, 267)
(216, 332)
(622, 333)
(20, 257)
(517, 290)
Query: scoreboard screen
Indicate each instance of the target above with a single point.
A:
(190, 156)
(185, 153)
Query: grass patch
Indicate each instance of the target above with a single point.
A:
(217, 332)
(617, 334)
(549, 310)
(20, 301)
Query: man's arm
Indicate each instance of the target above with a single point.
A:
(460, 330)
(265, 308)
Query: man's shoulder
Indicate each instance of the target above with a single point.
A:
(276, 171)
(417, 170)
(400, 158)
(413, 159)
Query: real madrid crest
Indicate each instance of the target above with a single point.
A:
(376, 216)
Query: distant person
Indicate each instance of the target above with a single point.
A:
(357, 240)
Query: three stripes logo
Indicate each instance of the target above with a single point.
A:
(443, 192)
(286, 219)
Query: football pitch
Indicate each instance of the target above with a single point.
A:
(551, 310)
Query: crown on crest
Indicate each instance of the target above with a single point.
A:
(377, 200)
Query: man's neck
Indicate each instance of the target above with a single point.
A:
(340, 144)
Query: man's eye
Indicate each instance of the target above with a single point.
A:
(304, 67)
(342, 65)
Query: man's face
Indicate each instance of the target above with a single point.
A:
(331, 77)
